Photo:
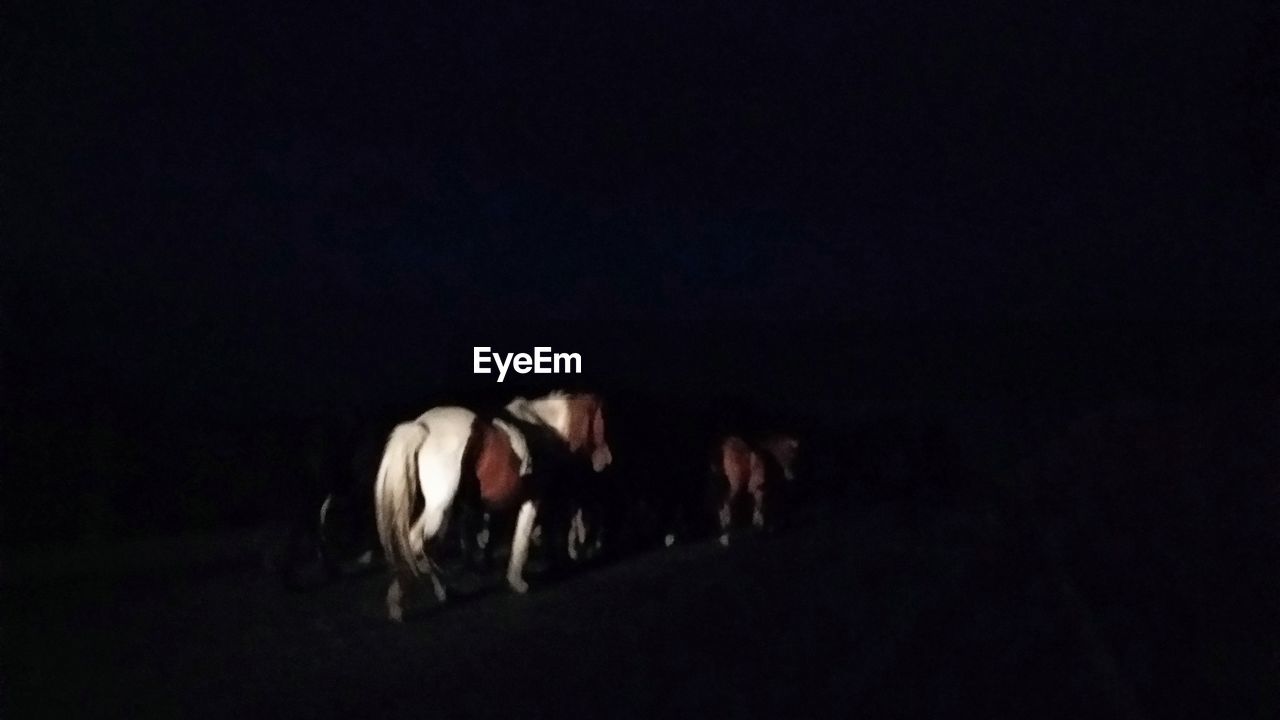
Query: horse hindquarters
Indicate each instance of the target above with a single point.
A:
(720, 494)
(739, 473)
(420, 468)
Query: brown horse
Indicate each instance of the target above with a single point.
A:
(738, 467)
(450, 450)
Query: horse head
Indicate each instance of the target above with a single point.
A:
(784, 448)
(586, 429)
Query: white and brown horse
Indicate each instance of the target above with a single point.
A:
(447, 450)
(739, 468)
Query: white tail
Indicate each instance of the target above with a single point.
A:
(396, 491)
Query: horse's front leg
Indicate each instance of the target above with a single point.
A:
(520, 546)
(755, 488)
(726, 519)
(757, 512)
(576, 544)
(484, 539)
(396, 592)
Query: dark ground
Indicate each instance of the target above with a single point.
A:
(852, 612)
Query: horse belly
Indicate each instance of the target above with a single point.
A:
(737, 468)
(498, 471)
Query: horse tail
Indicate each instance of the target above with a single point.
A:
(396, 494)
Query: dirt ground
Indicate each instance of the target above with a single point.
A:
(878, 611)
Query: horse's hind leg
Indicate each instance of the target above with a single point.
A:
(397, 594)
(726, 519)
(427, 563)
(757, 512)
(755, 488)
(436, 583)
(400, 591)
(432, 525)
(431, 569)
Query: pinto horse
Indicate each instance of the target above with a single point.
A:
(568, 488)
(739, 468)
(451, 451)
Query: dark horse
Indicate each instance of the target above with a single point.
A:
(760, 471)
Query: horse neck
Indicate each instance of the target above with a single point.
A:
(551, 412)
(777, 448)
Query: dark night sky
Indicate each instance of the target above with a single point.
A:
(224, 206)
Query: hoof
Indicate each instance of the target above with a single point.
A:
(669, 540)
(518, 585)
(724, 540)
